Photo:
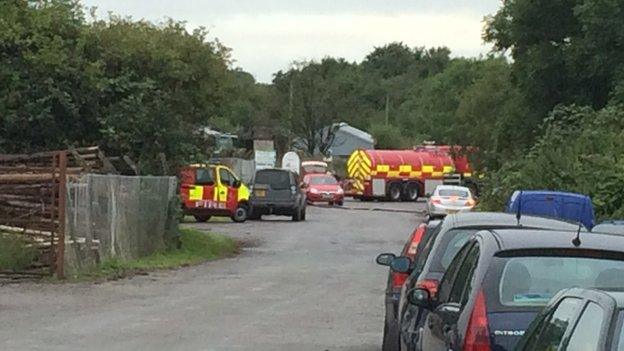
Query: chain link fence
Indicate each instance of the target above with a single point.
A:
(110, 216)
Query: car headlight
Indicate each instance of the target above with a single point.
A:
(340, 191)
(314, 191)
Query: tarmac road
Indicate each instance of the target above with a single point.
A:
(299, 286)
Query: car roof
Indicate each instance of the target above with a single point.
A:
(499, 219)
(593, 293)
(451, 187)
(550, 192)
(519, 239)
(609, 228)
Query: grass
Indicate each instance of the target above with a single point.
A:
(15, 253)
(197, 247)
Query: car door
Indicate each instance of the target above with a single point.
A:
(440, 329)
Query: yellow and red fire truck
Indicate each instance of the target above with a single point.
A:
(402, 174)
(213, 190)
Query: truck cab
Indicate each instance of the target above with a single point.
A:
(213, 190)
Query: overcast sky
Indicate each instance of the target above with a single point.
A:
(268, 35)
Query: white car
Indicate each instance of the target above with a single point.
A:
(447, 199)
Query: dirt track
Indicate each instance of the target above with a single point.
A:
(301, 286)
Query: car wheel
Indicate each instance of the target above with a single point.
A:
(390, 338)
(331, 203)
(340, 203)
(240, 214)
(303, 215)
(202, 218)
(394, 192)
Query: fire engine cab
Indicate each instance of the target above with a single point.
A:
(213, 190)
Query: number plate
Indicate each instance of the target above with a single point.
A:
(260, 193)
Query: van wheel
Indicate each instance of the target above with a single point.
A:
(394, 192)
(410, 193)
(298, 215)
(240, 214)
(202, 218)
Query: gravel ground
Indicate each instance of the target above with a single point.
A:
(297, 286)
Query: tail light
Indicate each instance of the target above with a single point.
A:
(431, 285)
(414, 241)
(435, 200)
(478, 333)
(398, 279)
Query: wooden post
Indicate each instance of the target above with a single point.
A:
(53, 215)
(62, 202)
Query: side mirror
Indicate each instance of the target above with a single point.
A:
(385, 259)
(303, 185)
(401, 264)
(420, 297)
(237, 183)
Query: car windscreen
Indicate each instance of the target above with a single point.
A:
(276, 179)
(453, 192)
(204, 176)
(534, 280)
(323, 180)
(449, 245)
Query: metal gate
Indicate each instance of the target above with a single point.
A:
(32, 209)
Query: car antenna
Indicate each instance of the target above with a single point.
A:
(577, 239)
(519, 211)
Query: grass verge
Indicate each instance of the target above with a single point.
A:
(197, 247)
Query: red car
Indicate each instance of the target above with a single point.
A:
(323, 188)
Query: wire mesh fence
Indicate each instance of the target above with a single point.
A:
(110, 216)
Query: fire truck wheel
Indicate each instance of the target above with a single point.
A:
(241, 213)
(394, 191)
(410, 193)
(202, 218)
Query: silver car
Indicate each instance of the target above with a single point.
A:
(447, 199)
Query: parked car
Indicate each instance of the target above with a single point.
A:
(277, 192)
(554, 204)
(323, 188)
(501, 279)
(578, 319)
(437, 249)
(213, 190)
(448, 199)
(395, 282)
(610, 227)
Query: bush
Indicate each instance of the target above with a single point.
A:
(581, 150)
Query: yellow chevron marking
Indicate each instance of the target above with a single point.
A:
(467, 174)
(437, 174)
(449, 169)
(415, 174)
(394, 174)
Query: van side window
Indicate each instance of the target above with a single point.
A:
(204, 176)
(226, 177)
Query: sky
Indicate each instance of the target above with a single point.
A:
(268, 35)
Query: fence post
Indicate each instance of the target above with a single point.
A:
(62, 203)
